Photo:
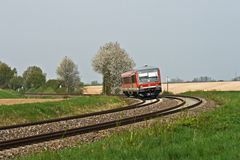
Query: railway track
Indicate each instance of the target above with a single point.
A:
(136, 105)
(14, 143)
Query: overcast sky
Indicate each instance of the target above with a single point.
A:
(185, 38)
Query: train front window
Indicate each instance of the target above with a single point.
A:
(148, 76)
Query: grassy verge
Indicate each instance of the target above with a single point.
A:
(212, 135)
(38, 111)
(9, 94)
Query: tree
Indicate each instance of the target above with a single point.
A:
(111, 61)
(68, 73)
(54, 83)
(203, 79)
(16, 82)
(34, 77)
(236, 79)
(94, 83)
(6, 73)
(176, 80)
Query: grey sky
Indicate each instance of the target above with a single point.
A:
(186, 38)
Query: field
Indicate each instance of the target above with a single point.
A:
(205, 86)
(184, 87)
(212, 135)
(9, 97)
(19, 113)
(92, 90)
(25, 101)
(173, 87)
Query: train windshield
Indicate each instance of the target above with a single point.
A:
(147, 76)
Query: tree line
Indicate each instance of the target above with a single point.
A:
(34, 77)
(111, 61)
(200, 79)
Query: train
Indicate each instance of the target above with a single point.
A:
(142, 82)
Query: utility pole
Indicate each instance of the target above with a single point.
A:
(167, 83)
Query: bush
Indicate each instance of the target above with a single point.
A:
(54, 83)
(16, 83)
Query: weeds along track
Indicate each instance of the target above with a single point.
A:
(110, 123)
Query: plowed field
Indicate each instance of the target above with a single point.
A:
(206, 86)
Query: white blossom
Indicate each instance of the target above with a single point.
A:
(111, 61)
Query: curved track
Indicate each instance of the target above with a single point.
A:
(137, 105)
(97, 127)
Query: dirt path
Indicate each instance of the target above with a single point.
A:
(24, 101)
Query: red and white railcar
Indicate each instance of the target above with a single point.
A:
(145, 81)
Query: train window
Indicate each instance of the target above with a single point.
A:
(147, 76)
(152, 74)
(133, 79)
(128, 80)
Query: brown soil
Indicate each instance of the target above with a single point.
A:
(24, 101)
(206, 86)
(92, 90)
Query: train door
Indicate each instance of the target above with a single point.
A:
(133, 85)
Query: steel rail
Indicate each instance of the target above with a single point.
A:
(133, 106)
(97, 127)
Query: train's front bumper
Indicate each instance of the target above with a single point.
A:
(150, 91)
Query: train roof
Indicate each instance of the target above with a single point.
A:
(130, 73)
(146, 67)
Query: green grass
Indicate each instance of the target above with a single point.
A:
(38, 111)
(212, 135)
(9, 94)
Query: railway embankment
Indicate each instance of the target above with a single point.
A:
(207, 132)
(23, 113)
